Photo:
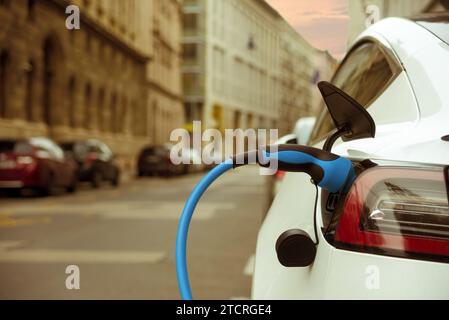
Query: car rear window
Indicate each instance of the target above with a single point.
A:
(158, 150)
(81, 150)
(364, 74)
(148, 151)
(7, 146)
(15, 146)
(67, 146)
(161, 151)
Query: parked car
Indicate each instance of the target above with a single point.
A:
(388, 236)
(155, 160)
(36, 163)
(194, 160)
(96, 162)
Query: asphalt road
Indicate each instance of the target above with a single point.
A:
(123, 240)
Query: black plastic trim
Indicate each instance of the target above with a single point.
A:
(295, 248)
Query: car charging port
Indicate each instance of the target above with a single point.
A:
(332, 203)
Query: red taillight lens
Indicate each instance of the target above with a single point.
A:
(90, 158)
(397, 211)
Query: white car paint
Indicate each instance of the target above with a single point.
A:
(411, 117)
(303, 129)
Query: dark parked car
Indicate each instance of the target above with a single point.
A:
(36, 163)
(156, 161)
(95, 160)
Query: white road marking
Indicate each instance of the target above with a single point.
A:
(139, 210)
(165, 210)
(249, 267)
(80, 256)
(5, 245)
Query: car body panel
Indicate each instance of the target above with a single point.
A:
(155, 160)
(303, 129)
(102, 163)
(50, 165)
(411, 116)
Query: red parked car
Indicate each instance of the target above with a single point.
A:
(36, 163)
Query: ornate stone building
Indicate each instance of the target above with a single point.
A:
(166, 101)
(110, 79)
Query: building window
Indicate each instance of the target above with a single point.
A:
(100, 110)
(189, 51)
(52, 72)
(237, 116)
(71, 87)
(192, 112)
(87, 106)
(88, 42)
(4, 59)
(135, 118)
(124, 123)
(29, 96)
(100, 9)
(155, 112)
(190, 83)
(190, 2)
(30, 7)
(113, 112)
(190, 22)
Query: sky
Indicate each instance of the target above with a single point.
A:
(324, 23)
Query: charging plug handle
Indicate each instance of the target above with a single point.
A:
(328, 170)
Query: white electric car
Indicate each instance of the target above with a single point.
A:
(388, 236)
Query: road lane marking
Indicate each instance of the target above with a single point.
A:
(10, 244)
(7, 221)
(80, 256)
(170, 210)
(138, 210)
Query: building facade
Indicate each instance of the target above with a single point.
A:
(243, 66)
(362, 13)
(164, 72)
(102, 80)
(297, 69)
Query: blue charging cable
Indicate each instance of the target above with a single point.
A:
(184, 222)
(329, 171)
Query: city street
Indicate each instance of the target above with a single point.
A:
(123, 240)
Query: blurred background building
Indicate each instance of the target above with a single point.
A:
(165, 98)
(230, 69)
(365, 12)
(244, 66)
(137, 69)
(301, 68)
(117, 78)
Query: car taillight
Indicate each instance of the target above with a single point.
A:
(397, 211)
(90, 158)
